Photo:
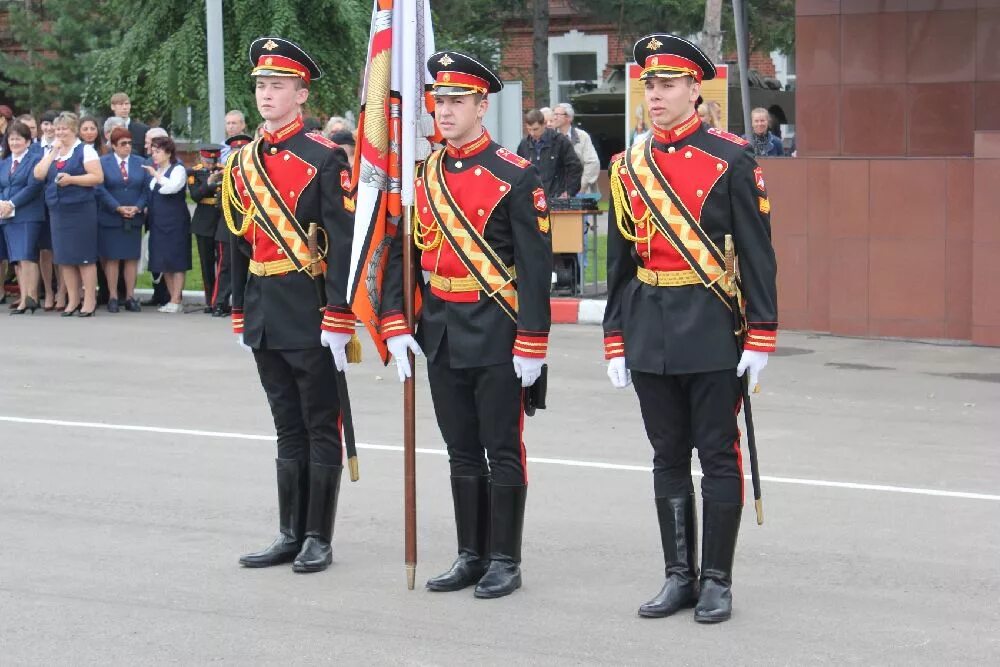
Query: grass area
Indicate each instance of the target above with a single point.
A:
(192, 280)
(602, 260)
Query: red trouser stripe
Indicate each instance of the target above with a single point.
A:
(520, 436)
(739, 450)
(218, 273)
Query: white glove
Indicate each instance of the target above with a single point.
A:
(398, 347)
(753, 362)
(528, 369)
(244, 346)
(619, 375)
(337, 342)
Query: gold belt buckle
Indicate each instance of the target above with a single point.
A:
(445, 283)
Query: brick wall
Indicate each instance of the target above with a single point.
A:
(516, 58)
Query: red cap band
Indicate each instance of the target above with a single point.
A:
(671, 63)
(280, 65)
(461, 80)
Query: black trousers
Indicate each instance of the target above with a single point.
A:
(223, 280)
(302, 390)
(480, 414)
(697, 411)
(207, 260)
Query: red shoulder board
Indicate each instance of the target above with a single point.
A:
(618, 156)
(728, 136)
(321, 140)
(513, 158)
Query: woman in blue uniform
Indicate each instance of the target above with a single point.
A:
(122, 201)
(169, 220)
(22, 213)
(71, 170)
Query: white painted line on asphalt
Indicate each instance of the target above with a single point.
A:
(857, 486)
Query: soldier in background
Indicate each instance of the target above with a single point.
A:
(203, 185)
(221, 297)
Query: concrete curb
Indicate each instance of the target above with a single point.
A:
(187, 296)
(577, 311)
(565, 310)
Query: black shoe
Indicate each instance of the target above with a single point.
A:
(113, 305)
(90, 313)
(721, 527)
(70, 313)
(324, 487)
(29, 305)
(679, 537)
(292, 486)
(220, 311)
(503, 576)
(132, 306)
(207, 310)
(472, 520)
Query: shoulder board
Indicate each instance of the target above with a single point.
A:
(198, 167)
(728, 136)
(513, 158)
(321, 140)
(618, 156)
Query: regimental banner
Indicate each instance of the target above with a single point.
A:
(637, 121)
(393, 127)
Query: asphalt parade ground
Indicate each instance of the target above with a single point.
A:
(136, 465)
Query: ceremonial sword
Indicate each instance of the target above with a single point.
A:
(347, 417)
(739, 331)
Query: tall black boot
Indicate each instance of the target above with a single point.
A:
(472, 520)
(679, 535)
(324, 487)
(291, 517)
(722, 525)
(503, 576)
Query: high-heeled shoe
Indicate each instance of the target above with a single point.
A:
(29, 305)
(70, 313)
(86, 314)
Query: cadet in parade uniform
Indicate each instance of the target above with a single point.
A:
(204, 180)
(223, 270)
(481, 224)
(290, 303)
(688, 201)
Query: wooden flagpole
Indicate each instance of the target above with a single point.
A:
(409, 416)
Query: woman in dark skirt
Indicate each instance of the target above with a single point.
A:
(169, 220)
(22, 213)
(71, 170)
(121, 213)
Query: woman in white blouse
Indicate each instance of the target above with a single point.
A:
(169, 220)
(71, 170)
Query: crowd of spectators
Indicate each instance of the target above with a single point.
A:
(86, 203)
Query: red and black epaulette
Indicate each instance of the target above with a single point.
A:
(728, 136)
(513, 158)
(321, 140)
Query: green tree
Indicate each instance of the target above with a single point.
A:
(57, 39)
(159, 55)
(772, 22)
(473, 26)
